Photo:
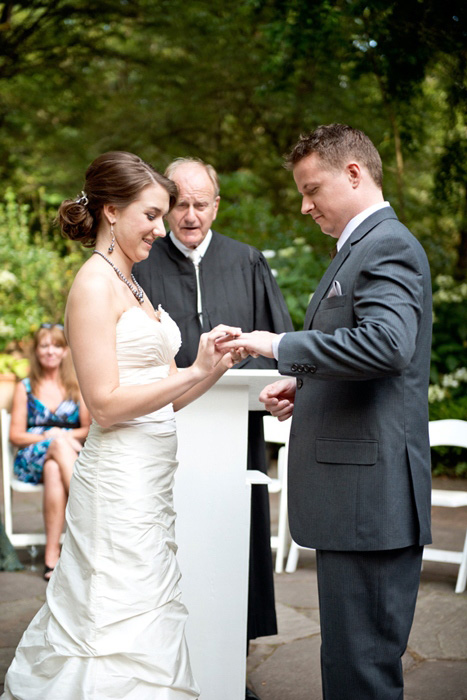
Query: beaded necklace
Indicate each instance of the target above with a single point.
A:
(136, 290)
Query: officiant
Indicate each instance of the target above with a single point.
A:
(203, 278)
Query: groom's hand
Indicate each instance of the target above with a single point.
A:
(255, 343)
(278, 398)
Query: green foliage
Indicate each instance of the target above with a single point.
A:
(245, 213)
(235, 84)
(447, 393)
(449, 461)
(34, 277)
(449, 349)
(449, 408)
(450, 186)
(9, 364)
(298, 270)
(248, 213)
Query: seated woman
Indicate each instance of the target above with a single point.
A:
(49, 423)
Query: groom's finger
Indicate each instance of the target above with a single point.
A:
(226, 331)
(271, 391)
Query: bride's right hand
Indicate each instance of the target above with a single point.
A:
(209, 355)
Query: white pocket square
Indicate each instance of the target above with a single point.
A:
(335, 291)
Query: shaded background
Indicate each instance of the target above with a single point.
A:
(235, 83)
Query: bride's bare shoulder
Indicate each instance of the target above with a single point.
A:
(91, 280)
(92, 291)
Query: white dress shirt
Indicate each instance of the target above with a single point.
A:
(196, 255)
(357, 220)
(202, 248)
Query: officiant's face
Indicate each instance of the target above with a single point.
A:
(196, 207)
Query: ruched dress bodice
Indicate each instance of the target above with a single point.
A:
(145, 350)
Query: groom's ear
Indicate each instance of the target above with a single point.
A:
(354, 174)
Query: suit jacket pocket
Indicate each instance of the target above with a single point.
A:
(333, 302)
(334, 451)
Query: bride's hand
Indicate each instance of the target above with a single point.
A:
(210, 354)
(233, 357)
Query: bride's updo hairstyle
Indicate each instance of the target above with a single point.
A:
(114, 178)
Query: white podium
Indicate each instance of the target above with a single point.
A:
(212, 501)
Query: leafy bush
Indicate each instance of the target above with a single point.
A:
(245, 213)
(448, 374)
(447, 392)
(9, 364)
(449, 349)
(34, 277)
(298, 270)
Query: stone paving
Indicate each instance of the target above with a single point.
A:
(286, 666)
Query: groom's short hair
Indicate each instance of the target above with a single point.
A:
(335, 144)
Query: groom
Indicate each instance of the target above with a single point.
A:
(359, 462)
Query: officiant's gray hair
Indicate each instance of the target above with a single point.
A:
(175, 164)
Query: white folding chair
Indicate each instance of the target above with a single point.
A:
(292, 558)
(277, 432)
(453, 433)
(10, 484)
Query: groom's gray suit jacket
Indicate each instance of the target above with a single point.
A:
(359, 461)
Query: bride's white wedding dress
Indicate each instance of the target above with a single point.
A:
(113, 624)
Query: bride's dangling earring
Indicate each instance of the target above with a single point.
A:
(111, 247)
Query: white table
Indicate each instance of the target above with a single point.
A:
(212, 499)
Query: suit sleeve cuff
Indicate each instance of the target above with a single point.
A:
(275, 345)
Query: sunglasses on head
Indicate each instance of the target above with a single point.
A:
(48, 326)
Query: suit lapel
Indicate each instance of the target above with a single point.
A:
(324, 283)
(365, 227)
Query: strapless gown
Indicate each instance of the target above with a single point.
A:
(113, 625)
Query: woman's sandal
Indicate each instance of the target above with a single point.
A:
(48, 570)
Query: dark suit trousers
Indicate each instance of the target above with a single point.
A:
(367, 603)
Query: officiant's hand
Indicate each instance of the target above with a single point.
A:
(210, 354)
(255, 343)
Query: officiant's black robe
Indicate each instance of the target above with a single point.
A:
(238, 289)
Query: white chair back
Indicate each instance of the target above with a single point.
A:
(450, 432)
(10, 484)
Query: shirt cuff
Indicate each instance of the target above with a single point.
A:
(275, 345)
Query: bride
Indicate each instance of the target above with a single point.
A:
(113, 624)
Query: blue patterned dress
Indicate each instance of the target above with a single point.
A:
(29, 461)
